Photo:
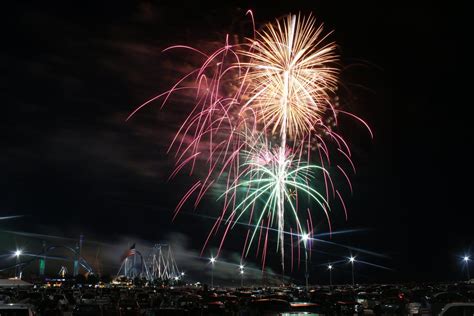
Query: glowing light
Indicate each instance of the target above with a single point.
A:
(241, 271)
(466, 258)
(305, 237)
(212, 260)
(351, 259)
(18, 252)
(330, 267)
(182, 273)
(241, 267)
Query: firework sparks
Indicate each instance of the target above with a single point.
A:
(273, 182)
(290, 80)
(261, 108)
(291, 75)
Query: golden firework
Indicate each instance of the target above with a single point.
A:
(291, 74)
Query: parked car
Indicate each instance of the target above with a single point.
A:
(458, 309)
(86, 310)
(128, 307)
(267, 305)
(439, 301)
(16, 310)
(88, 299)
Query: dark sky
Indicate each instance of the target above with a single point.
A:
(70, 163)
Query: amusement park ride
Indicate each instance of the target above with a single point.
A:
(159, 265)
(73, 254)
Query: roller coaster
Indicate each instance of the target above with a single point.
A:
(25, 259)
(159, 265)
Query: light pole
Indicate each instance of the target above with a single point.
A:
(351, 260)
(330, 275)
(466, 260)
(18, 253)
(213, 260)
(305, 239)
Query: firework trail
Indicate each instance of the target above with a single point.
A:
(262, 109)
(290, 79)
(265, 179)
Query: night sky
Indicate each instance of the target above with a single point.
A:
(70, 163)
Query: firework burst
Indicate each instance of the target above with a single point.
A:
(291, 76)
(270, 181)
(262, 109)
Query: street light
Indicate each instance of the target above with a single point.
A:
(213, 260)
(241, 267)
(466, 260)
(18, 272)
(305, 238)
(352, 260)
(330, 275)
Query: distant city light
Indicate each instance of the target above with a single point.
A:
(18, 252)
(466, 258)
(330, 267)
(241, 267)
(352, 259)
(213, 259)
